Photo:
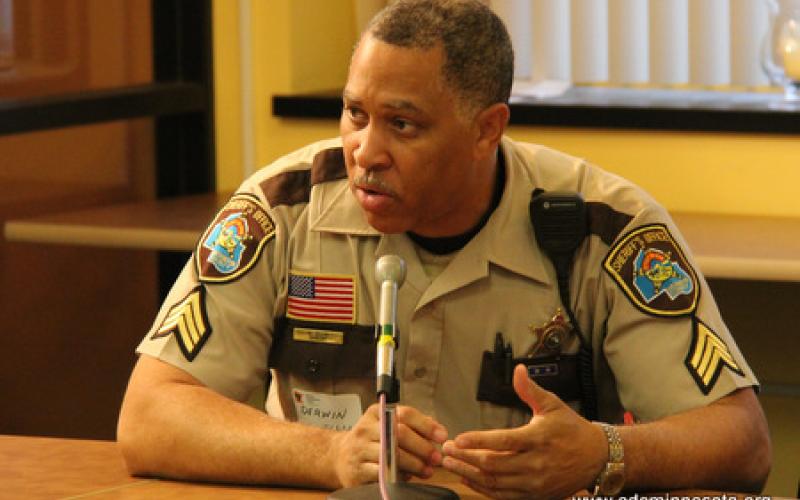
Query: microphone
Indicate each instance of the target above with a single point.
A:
(390, 272)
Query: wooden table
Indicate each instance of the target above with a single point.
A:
(725, 246)
(47, 468)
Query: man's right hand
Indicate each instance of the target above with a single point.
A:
(355, 453)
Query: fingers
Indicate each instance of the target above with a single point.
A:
(413, 465)
(411, 442)
(496, 439)
(422, 424)
(539, 400)
(510, 463)
(417, 435)
(364, 472)
(490, 483)
(355, 452)
(367, 427)
(501, 462)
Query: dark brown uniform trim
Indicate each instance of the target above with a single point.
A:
(292, 188)
(328, 165)
(288, 188)
(606, 222)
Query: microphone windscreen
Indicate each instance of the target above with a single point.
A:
(390, 268)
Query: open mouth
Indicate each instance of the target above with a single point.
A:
(374, 199)
(371, 190)
(373, 187)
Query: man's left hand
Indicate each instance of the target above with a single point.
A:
(554, 455)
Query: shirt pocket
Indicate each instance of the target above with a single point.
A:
(323, 352)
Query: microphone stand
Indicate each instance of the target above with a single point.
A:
(390, 271)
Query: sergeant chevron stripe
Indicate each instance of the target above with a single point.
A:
(707, 356)
(188, 321)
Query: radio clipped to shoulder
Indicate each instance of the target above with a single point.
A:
(560, 224)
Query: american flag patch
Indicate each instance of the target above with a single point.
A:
(321, 298)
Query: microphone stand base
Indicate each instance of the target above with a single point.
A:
(396, 491)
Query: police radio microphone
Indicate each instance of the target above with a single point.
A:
(390, 272)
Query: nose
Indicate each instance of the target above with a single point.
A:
(371, 151)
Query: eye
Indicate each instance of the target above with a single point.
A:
(399, 123)
(403, 125)
(356, 114)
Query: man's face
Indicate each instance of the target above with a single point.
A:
(409, 153)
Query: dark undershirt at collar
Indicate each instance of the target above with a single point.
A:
(450, 244)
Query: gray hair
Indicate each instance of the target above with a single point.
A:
(478, 57)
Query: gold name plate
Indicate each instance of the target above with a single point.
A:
(318, 336)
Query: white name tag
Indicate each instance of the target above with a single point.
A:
(339, 412)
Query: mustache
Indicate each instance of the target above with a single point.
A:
(372, 182)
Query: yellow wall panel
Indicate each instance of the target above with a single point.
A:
(321, 40)
(692, 171)
(294, 57)
(227, 95)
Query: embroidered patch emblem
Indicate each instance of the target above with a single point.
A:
(316, 297)
(234, 241)
(653, 272)
(187, 320)
(707, 356)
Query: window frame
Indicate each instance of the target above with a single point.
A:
(577, 111)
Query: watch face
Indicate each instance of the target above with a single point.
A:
(612, 483)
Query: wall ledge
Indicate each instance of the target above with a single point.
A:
(618, 108)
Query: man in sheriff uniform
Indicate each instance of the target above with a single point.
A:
(283, 280)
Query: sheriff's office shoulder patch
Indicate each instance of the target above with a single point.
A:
(188, 321)
(321, 297)
(707, 356)
(234, 241)
(653, 272)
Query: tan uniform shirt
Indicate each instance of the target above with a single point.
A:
(298, 287)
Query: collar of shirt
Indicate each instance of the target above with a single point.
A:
(507, 239)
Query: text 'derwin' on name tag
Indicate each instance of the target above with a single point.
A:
(338, 412)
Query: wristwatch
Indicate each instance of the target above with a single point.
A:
(612, 477)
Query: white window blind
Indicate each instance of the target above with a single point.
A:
(669, 41)
(708, 43)
(589, 40)
(551, 40)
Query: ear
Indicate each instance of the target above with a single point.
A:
(490, 124)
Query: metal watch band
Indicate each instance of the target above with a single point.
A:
(612, 476)
(616, 453)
